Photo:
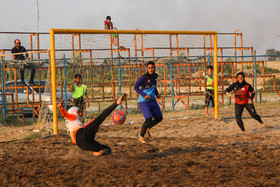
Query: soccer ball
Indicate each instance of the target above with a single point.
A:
(118, 117)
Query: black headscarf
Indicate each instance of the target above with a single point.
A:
(241, 84)
(152, 77)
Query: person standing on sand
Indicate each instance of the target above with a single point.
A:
(244, 95)
(147, 102)
(209, 89)
(83, 136)
(79, 92)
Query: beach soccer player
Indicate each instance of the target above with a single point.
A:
(209, 89)
(147, 90)
(244, 95)
(83, 136)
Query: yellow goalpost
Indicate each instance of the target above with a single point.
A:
(87, 31)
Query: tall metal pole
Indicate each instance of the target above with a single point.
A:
(3, 91)
(172, 91)
(37, 3)
(120, 79)
(53, 72)
(65, 81)
(216, 94)
(206, 73)
(256, 87)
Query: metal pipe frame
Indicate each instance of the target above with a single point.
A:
(85, 31)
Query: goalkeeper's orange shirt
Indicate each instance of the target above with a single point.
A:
(73, 125)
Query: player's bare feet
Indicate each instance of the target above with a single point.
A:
(148, 133)
(98, 153)
(121, 98)
(141, 139)
(266, 126)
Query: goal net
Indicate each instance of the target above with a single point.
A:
(111, 61)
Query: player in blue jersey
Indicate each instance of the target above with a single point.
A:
(147, 90)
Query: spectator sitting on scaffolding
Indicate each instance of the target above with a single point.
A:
(108, 25)
(23, 65)
(115, 37)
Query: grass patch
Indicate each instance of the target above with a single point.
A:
(33, 135)
(133, 111)
(196, 106)
(269, 84)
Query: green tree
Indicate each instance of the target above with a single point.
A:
(227, 68)
(272, 51)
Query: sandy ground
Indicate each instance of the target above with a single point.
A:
(186, 148)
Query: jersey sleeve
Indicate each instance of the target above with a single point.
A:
(230, 88)
(138, 83)
(251, 89)
(156, 90)
(70, 117)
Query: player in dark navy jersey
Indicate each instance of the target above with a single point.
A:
(244, 95)
(147, 90)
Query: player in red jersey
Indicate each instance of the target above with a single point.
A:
(244, 95)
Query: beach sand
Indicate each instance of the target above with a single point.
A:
(186, 148)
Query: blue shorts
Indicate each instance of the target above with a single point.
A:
(150, 109)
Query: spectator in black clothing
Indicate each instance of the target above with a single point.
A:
(20, 49)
